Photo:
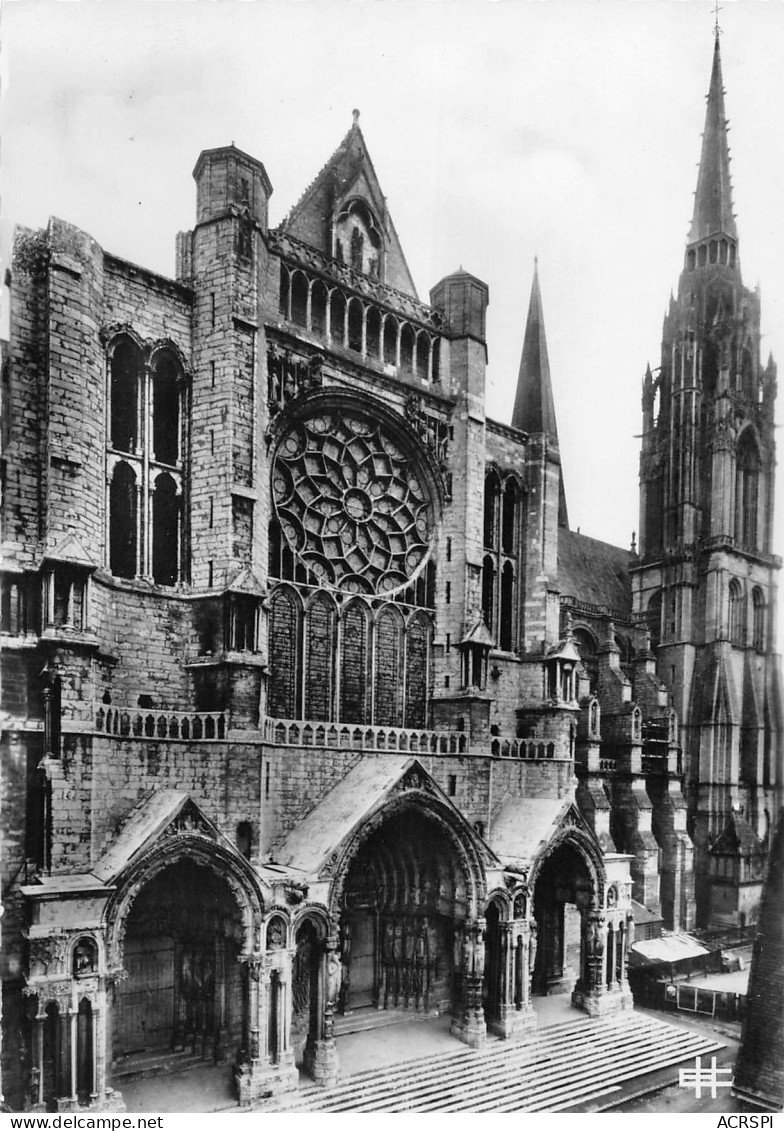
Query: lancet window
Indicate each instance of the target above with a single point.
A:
(737, 614)
(145, 463)
(348, 660)
(501, 564)
(747, 493)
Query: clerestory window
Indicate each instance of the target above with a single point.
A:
(145, 463)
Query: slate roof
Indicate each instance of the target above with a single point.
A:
(145, 823)
(523, 827)
(594, 571)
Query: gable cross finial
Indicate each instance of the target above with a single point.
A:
(716, 28)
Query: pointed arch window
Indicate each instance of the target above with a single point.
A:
(417, 654)
(123, 532)
(285, 652)
(145, 463)
(492, 498)
(758, 619)
(506, 626)
(389, 639)
(737, 615)
(501, 565)
(653, 618)
(320, 658)
(747, 492)
(488, 591)
(354, 664)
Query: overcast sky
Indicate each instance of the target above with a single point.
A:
(566, 129)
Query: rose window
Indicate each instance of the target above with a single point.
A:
(352, 502)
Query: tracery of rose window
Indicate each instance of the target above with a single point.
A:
(352, 501)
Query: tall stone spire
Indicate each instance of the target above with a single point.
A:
(713, 199)
(534, 409)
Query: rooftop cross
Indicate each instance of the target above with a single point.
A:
(716, 29)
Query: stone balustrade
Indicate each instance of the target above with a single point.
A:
(525, 749)
(138, 722)
(346, 736)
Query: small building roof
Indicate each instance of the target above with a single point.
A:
(668, 949)
(737, 838)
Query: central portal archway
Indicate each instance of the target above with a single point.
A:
(183, 991)
(406, 901)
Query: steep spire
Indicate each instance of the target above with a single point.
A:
(534, 409)
(713, 199)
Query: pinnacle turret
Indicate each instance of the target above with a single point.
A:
(713, 199)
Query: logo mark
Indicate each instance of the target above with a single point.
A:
(699, 1078)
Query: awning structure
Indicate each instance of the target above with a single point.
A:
(667, 949)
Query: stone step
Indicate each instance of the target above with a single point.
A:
(362, 1020)
(464, 1086)
(157, 1062)
(565, 1066)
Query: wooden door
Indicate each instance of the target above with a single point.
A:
(145, 1017)
(363, 950)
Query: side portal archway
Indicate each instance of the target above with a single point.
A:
(183, 992)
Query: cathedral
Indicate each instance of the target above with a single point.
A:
(312, 701)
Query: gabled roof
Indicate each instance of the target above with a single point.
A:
(713, 199)
(147, 822)
(247, 581)
(70, 551)
(479, 633)
(594, 572)
(348, 173)
(365, 788)
(738, 838)
(524, 826)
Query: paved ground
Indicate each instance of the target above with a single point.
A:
(200, 1089)
(735, 983)
(209, 1088)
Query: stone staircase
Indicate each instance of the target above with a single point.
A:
(564, 1067)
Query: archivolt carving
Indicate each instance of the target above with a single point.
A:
(582, 842)
(432, 809)
(319, 916)
(191, 846)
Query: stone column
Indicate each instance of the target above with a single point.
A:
(515, 1012)
(95, 1092)
(258, 1076)
(590, 993)
(40, 1021)
(469, 1026)
(74, 1021)
(321, 1056)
